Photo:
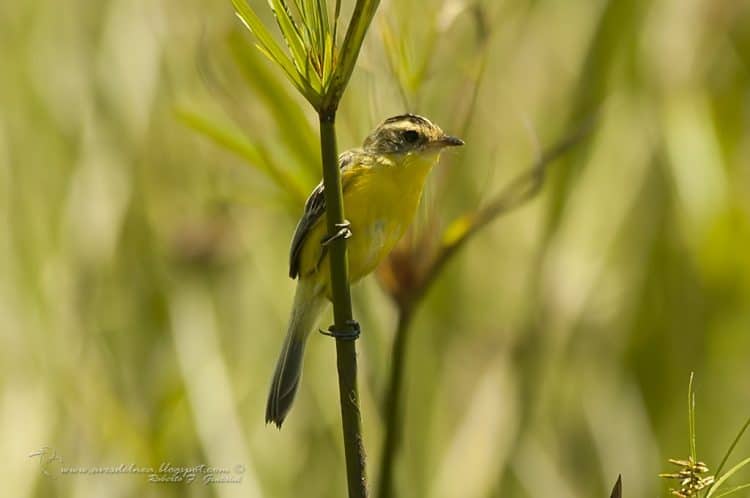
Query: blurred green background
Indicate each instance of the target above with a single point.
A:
(143, 287)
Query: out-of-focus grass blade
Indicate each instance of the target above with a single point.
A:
(286, 112)
(729, 473)
(396, 56)
(225, 136)
(236, 142)
(273, 51)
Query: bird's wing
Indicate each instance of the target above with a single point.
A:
(315, 208)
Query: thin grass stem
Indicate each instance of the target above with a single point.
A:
(393, 407)
(691, 418)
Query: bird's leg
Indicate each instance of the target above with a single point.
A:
(350, 332)
(342, 232)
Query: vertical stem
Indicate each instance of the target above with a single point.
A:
(393, 419)
(346, 353)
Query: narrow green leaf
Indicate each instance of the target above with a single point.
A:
(327, 61)
(732, 446)
(273, 51)
(729, 473)
(733, 490)
(336, 15)
(364, 11)
(289, 32)
(298, 7)
(323, 7)
(314, 24)
(255, 25)
(691, 417)
(324, 27)
(305, 31)
(309, 11)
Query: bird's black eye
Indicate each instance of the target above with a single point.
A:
(410, 136)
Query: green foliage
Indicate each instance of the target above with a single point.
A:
(141, 305)
(315, 63)
(297, 68)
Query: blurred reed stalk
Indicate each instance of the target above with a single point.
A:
(320, 70)
(407, 281)
(587, 97)
(415, 264)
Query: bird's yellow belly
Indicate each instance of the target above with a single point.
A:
(375, 233)
(380, 206)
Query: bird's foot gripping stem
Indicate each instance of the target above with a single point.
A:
(343, 231)
(350, 331)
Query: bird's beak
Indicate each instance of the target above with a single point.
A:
(449, 141)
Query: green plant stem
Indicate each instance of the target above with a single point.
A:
(691, 417)
(393, 406)
(346, 353)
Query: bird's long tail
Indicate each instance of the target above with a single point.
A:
(308, 304)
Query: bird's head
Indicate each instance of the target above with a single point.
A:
(406, 134)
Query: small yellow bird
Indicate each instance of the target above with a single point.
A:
(382, 183)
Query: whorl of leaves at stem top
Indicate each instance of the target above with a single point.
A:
(315, 63)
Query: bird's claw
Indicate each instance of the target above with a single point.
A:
(350, 332)
(343, 231)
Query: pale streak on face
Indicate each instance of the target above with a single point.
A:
(403, 135)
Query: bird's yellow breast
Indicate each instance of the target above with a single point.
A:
(380, 202)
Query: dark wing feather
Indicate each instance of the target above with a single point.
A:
(315, 207)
